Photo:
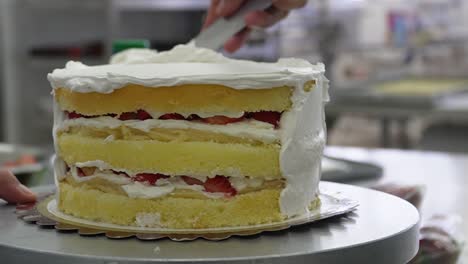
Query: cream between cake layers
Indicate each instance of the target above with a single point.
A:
(188, 139)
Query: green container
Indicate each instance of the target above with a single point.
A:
(123, 44)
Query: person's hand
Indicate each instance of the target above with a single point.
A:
(12, 191)
(225, 8)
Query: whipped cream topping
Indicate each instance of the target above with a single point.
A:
(171, 69)
(251, 129)
(302, 130)
(180, 53)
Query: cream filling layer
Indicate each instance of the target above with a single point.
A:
(162, 186)
(251, 129)
(102, 165)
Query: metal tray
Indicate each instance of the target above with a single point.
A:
(344, 171)
(368, 94)
(31, 174)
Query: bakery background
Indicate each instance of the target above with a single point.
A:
(399, 72)
(361, 42)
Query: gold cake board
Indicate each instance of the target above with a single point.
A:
(46, 213)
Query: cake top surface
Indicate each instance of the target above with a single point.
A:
(185, 64)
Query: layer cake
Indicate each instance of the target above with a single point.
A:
(188, 139)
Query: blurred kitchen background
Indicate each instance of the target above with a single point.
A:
(398, 67)
(399, 72)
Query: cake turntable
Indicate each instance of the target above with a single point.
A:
(383, 229)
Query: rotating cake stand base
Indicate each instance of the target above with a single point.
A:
(383, 229)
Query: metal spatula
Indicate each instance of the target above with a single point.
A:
(224, 28)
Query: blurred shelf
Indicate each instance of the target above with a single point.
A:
(151, 5)
(65, 5)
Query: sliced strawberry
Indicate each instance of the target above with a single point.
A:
(128, 116)
(143, 115)
(219, 184)
(120, 173)
(85, 171)
(191, 181)
(138, 115)
(193, 117)
(221, 120)
(88, 170)
(267, 116)
(172, 116)
(150, 178)
(74, 115)
(80, 172)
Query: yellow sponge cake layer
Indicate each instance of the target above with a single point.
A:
(160, 134)
(92, 204)
(178, 99)
(174, 158)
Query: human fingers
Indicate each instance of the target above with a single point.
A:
(287, 5)
(228, 7)
(12, 191)
(211, 14)
(237, 40)
(265, 18)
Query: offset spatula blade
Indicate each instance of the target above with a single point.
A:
(224, 28)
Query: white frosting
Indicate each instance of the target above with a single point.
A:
(241, 183)
(148, 220)
(303, 136)
(180, 53)
(250, 129)
(236, 74)
(302, 133)
(57, 162)
(109, 138)
(133, 56)
(108, 176)
(139, 190)
(102, 166)
(180, 184)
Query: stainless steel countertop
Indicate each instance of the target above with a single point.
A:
(444, 175)
(453, 108)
